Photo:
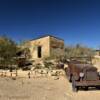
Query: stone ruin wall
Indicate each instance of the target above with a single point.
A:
(51, 47)
(56, 47)
(44, 43)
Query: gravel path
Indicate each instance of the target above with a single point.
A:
(42, 89)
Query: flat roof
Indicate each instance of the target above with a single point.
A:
(46, 36)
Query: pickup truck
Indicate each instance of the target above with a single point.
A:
(82, 75)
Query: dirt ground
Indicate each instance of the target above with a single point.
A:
(43, 89)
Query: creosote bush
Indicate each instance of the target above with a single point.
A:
(8, 49)
(78, 51)
(48, 64)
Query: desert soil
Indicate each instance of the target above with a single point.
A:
(43, 89)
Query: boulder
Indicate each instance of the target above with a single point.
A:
(53, 73)
(49, 74)
(55, 77)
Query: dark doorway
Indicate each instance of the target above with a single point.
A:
(39, 51)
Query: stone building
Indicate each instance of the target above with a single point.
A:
(46, 46)
(96, 59)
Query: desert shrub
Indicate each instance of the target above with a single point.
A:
(60, 66)
(38, 66)
(50, 58)
(78, 51)
(48, 64)
(8, 49)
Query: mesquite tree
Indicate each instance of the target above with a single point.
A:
(8, 49)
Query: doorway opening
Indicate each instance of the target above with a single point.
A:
(39, 51)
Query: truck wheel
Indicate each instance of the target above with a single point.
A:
(86, 88)
(98, 87)
(69, 75)
(69, 78)
(74, 87)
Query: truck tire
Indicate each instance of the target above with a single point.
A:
(74, 87)
(86, 88)
(69, 75)
(98, 87)
(70, 78)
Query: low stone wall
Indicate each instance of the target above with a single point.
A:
(32, 74)
(7, 73)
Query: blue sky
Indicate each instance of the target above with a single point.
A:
(75, 21)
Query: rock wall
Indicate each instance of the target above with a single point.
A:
(50, 47)
(56, 47)
(45, 48)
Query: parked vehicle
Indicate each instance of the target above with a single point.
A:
(82, 75)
